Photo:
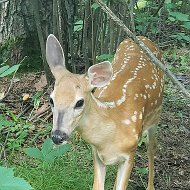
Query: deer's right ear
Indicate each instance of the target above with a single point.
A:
(100, 74)
(54, 55)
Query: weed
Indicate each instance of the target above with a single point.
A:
(9, 182)
(47, 154)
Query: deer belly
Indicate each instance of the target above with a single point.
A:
(110, 158)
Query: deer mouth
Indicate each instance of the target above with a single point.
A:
(59, 137)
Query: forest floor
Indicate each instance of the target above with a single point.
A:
(172, 163)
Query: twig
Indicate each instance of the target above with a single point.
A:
(144, 48)
(24, 111)
(3, 149)
(40, 114)
(156, 12)
(3, 1)
(131, 8)
(49, 115)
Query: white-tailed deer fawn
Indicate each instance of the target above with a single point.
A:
(126, 103)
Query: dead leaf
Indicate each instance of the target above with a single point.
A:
(41, 83)
(42, 109)
(25, 97)
(2, 95)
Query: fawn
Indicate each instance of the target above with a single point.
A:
(126, 102)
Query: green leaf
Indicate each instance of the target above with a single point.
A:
(57, 152)
(6, 123)
(60, 150)
(10, 70)
(47, 146)
(181, 36)
(3, 69)
(141, 4)
(142, 170)
(186, 25)
(37, 95)
(95, 6)
(9, 182)
(180, 16)
(34, 153)
(78, 26)
(171, 19)
(36, 99)
(104, 57)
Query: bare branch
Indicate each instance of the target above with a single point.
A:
(144, 48)
(3, 1)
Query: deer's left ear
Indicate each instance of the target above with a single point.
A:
(100, 74)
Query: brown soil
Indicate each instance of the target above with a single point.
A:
(172, 165)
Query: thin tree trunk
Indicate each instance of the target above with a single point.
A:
(70, 16)
(35, 6)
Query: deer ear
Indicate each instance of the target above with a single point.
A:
(100, 74)
(54, 55)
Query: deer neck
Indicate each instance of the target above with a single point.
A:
(95, 122)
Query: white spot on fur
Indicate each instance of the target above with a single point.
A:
(134, 118)
(126, 121)
(140, 115)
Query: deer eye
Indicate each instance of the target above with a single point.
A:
(79, 104)
(51, 102)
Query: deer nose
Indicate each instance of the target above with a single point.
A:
(58, 137)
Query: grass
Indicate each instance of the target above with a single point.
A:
(72, 171)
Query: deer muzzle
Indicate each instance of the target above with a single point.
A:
(58, 137)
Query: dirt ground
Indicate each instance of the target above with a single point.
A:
(172, 164)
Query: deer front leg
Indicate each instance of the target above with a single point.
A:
(152, 143)
(99, 172)
(124, 172)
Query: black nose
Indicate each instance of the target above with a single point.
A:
(58, 137)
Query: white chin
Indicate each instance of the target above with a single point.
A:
(65, 142)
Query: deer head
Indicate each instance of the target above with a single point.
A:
(72, 92)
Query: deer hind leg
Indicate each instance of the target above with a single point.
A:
(124, 172)
(152, 144)
(99, 172)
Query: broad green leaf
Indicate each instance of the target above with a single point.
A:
(34, 153)
(95, 6)
(171, 19)
(3, 69)
(180, 16)
(60, 150)
(10, 70)
(78, 26)
(186, 25)
(47, 146)
(141, 4)
(9, 182)
(57, 152)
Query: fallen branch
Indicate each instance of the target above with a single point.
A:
(144, 48)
